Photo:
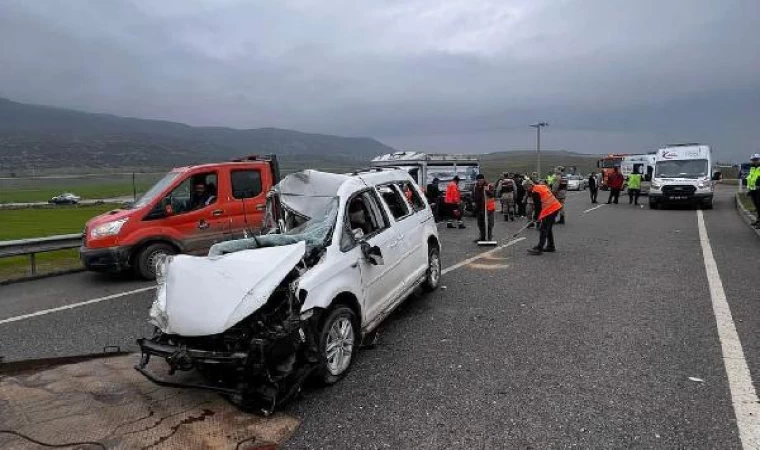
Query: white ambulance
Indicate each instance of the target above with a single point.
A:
(682, 175)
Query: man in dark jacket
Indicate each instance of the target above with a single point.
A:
(433, 194)
(482, 192)
(593, 187)
(615, 181)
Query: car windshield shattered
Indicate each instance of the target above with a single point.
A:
(303, 207)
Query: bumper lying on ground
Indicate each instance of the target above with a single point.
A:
(110, 259)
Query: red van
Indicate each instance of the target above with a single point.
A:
(187, 211)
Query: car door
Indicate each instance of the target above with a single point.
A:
(198, 227)
(247, 201)
(383, 283)
(412, 231)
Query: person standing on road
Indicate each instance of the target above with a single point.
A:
(519, 195)
(545, 210)
(634, 187)
(453, 202)
(615, 182)
(505, 190)
(485, 207)
(433, 195)
(593, 187)
(753, 186)
(559, 190)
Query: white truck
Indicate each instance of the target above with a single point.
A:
(426, 167)
(682, 175)
(643, 164)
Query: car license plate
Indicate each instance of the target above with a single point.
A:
(677, 197)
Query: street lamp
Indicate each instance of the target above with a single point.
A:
(538, 127)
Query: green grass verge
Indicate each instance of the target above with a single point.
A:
(744, 199)
(19, 267)
(39, 222)
(44, 193)
(48, 221)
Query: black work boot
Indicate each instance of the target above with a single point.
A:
(535, 251)
(550, 249)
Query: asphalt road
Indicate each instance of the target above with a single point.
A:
(590, 347)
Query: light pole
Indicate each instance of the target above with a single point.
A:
(538, 127)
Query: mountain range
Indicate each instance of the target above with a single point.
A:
(45, 137)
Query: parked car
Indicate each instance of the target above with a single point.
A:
(67, 198)
(260, 315)
(187, 211)
(576, 183)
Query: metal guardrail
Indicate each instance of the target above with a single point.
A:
(33, 246)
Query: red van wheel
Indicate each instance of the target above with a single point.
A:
(145, 262)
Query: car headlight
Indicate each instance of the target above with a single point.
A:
(656, 185)
(107, 229)
(703, 184)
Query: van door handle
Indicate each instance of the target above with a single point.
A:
(217, 212)
(260, 207)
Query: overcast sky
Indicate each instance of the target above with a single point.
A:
(447, 75)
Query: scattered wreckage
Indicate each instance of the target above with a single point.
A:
(259, 316)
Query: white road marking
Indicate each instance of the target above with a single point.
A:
(151, 288)
(76, 305)
(595, 207)
(743, 395)
(480, 255)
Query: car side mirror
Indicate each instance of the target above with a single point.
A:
(168, 210)
(717, 176)
(372, 254)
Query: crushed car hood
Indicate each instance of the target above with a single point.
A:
(201, 296)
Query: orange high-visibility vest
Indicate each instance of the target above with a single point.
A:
(549, 203)
(452, 194)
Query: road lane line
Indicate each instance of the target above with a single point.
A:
(151, 288)
(76, 305)
(743, 395)
(595, 207)
(480, 255)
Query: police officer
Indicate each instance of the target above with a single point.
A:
(559, 190)
(753, 186)
(634, 187)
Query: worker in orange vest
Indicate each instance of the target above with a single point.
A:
(484, 196)
(452, 201)
(545, 210)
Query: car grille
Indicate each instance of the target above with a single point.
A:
(679, 189)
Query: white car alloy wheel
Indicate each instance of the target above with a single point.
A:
(339, 347)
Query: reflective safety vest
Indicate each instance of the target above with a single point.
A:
(490, 204)
(550, 179)
(452, 194)
(634, 181)
(754, 174)
(549, 203)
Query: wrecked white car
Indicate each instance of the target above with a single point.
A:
(258, 316)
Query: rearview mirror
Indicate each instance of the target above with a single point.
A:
(717, 176)
(372, 254)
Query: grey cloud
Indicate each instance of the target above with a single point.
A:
(423, 74)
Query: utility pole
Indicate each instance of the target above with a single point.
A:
(538, 127)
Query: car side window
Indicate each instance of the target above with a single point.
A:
(363, 218)
(196, 192)
(411, 194)
(246, 183)
(392, 197)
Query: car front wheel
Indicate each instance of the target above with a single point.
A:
(146, 260)
(337, 339)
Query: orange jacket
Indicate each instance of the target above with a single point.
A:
(453, 196)
(549, 203)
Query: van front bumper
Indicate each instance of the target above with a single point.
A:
(109, 259)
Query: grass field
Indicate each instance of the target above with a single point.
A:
(29, 190)
(38, 222)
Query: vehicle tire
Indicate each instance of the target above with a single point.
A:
(145, 260)
(653, 205)
(433, 274)
(337, 340)
(707, 205)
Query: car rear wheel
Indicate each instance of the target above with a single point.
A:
(146, 259)
(337, 339)
(433, 275)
